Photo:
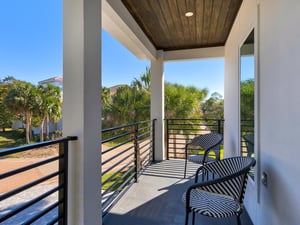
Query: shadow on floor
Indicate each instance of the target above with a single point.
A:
(156, 199)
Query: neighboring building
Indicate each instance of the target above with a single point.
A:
(56, 81)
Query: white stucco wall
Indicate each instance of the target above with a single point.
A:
(279, 111)
(278, 106)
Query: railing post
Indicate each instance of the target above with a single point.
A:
(153, 140)
(219, 126)
(167, 139)
(136, 152)
(63, 182)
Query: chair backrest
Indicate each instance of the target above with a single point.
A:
(207, 141)
(249, 138)
(233, 175)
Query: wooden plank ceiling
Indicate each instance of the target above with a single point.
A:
(167, 27)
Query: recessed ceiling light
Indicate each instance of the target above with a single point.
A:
(189, 14)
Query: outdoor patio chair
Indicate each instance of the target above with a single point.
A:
(249, 140)
(222, 194)
(207, 142)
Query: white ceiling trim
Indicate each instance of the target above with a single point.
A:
(190, 54)
(117, 21)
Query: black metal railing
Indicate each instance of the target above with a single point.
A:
(181, 131)
(126, 151)
(247, 127)
(32, 209)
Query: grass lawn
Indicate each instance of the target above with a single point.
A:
(7, 140)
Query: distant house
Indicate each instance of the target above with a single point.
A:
(56, 81)
(114, 89)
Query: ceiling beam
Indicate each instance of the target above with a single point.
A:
(199, 53)
(118, 22)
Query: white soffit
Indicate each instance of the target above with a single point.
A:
(199, 53)
(117, 21)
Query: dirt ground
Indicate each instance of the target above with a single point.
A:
(23, 159)
(32, 156)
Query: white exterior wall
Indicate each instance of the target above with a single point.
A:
(279, 111)
(277, 108)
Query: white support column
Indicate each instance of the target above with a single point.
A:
(81, 108)
(157, 104)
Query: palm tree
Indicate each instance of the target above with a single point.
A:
(48, 107)
(21, 99)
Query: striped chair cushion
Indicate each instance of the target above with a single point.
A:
(213, 205)
(223, 195)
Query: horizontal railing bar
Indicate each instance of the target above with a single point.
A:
(116, 146)
(144, 158)
(143, 136)
(115, 183)
(33, 146)
(42, 213)
(125, 126)
(145, 150)
(127, 181)
(147, 140)
(116, 196)
(115, 173)
(55, 220)
(192, 125)
(114, 165)
(29, 185)
(25, 168)
(192, 119)
(29, 203)
(141, 129)
(117, 155)
(117, 137)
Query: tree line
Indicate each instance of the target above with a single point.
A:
(131, 103)
(33, 105)
(36, 105)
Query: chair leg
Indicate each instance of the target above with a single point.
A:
(193, 219)
(239, 222)
(185, 165)
(187, 217)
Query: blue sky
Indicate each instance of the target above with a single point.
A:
(31, 50)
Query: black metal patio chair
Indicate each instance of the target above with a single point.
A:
(249, 140)
(207, 142)
(222, 194)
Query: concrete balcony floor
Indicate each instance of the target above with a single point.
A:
(156, 199)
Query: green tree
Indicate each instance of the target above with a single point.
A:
(48, 106)
(213, 108)
(129, 104)
(183, 102)
(20, 100)
(247, 99)
(6, 117)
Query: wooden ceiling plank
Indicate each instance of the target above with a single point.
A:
(207, 20)
(165, 24)
(199, 17)
(162, 34)
(177, 20)
(224, 10)
(229, 20)
(170, 18)
(214, 34)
